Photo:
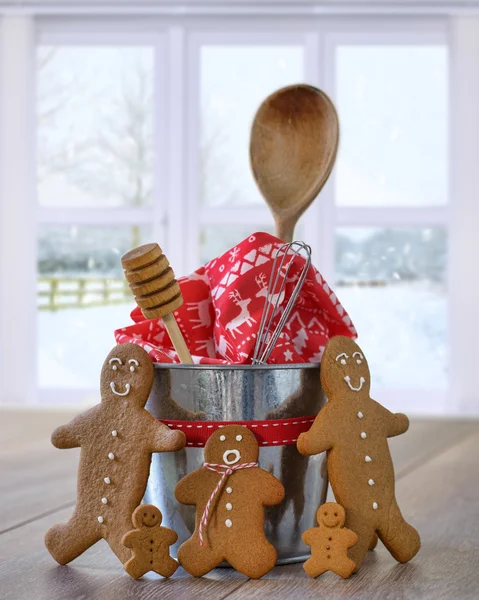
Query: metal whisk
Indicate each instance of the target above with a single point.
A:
(266, 339)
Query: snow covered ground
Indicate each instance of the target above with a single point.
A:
(402, 330)
(73, 343)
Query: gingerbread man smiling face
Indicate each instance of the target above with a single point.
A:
(127, 374)
(344, 369)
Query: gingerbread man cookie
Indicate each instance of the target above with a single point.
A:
(354, 429)
(329, 543)
(116, 438)
(230, 492)
(150, 544)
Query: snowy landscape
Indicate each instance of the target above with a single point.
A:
(402, 329)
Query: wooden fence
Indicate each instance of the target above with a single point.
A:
(56, 293)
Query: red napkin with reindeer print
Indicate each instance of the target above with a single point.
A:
(223, 304)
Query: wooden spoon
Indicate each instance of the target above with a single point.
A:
(294, 140)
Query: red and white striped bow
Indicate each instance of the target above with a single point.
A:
(225, 472)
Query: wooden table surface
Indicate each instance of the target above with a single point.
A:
(437, 468)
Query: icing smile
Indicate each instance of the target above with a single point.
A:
(125, 393)
(362, 381)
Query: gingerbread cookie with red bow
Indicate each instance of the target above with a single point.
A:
(230, 492)
(354, 430)
(117, 438)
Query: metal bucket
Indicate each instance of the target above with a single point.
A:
(241, 393)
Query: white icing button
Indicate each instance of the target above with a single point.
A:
(239, 438)
(222, 438)
(114, 433)
(111, 456)
(368, 459)
(229, 490)
(229, 506)
(363, 435)
(228, 522)
(371, 482)
(107, 480)
(375, 505)
(100, 519)
(104, 500)
(360, 415)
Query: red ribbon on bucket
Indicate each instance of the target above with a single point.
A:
(281, 432)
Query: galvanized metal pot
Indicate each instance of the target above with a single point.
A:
(242, 393)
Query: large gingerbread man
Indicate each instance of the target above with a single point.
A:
(150, 544)
(354, 430)
(230, 492)
(329, 543)
(116, 438)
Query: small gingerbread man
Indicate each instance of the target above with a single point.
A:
(150, 544)
(329, 543)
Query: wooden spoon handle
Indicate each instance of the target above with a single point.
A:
(284, 229)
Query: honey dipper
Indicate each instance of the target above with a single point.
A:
(156, 291)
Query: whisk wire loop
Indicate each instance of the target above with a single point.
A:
(267, 338)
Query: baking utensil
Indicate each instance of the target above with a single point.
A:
(156, 291)
(293, 145)
(286, 256)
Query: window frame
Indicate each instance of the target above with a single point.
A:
(176, 40)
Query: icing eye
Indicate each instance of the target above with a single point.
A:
(133, 363)
(359, 357)
(115, 368)
(342, 358)
(222, 438)
(239, 438)
(343, 361)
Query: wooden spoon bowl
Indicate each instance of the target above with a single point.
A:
(293, 146)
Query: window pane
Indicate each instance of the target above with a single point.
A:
(82, 298)
(95, 126)
(234, 82)
(393, 284)
(215, 240)
(392, 105)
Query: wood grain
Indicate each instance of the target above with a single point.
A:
(35, 477)
(437, 463)
(25, 565)
(441, 499)
(293, 146)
